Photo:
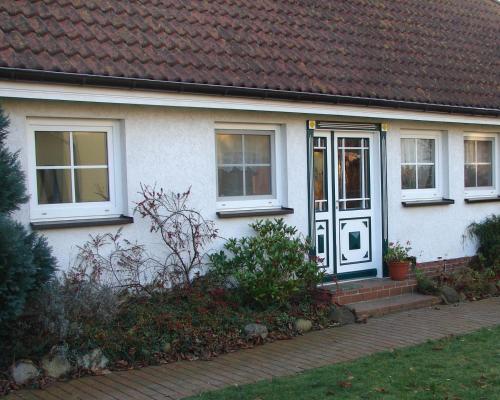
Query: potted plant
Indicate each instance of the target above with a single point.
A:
(398, 260)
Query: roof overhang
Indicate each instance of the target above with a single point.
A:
(95, 89)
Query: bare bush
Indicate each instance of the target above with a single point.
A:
(185, 234)
(183, 230)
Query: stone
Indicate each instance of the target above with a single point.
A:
(166, 347)
(449, 295)
(56, 364)
(94, 360)
(303, 325)
(256, 330)
(24, 371)
(342, 315)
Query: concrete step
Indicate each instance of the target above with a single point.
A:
(387, 305)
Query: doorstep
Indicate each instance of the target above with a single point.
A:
(388, 305)
(370, 289)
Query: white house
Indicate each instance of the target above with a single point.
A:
(358, 122)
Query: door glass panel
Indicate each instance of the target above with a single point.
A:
(353, 173)
(320, 179)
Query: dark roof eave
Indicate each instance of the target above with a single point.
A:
(138, 83)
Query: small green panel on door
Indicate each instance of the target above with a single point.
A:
(354, 240)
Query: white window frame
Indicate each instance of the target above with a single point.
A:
(253, 202)
(482, 191)
(69, 211)
(424, 194)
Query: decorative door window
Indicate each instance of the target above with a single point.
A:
(320, 175)
(353, 173)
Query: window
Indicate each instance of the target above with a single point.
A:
(74, 170)
(419, 167)
(320, 174)
(479, 161)
(246, 168)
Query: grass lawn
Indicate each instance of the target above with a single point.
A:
(458, 368)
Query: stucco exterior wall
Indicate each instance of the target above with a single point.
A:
(174, 148)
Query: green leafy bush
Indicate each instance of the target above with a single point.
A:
(487, 233)
(270, 266)
(426, 285)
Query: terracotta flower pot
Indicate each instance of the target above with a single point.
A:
(398, 270)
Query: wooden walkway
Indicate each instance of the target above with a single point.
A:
(178, 380)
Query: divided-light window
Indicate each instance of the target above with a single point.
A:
(244, 164)
(71, 167)
(74, 169)
(418, 163)
(478, 163)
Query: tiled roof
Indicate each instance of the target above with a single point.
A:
(438, 52)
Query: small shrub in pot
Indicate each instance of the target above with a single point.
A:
(397, 258)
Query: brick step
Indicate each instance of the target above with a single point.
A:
(371, 289)
(388, 305)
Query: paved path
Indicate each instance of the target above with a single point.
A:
(177, 380)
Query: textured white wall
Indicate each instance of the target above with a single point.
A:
(435, 231)
(174, 148)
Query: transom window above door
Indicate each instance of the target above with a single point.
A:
(75, 169)
(479, 165)
(419, 167)
(246, 168)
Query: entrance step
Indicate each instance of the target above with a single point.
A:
(387, 305)
(370, 289)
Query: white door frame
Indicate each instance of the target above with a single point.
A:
(365, 224)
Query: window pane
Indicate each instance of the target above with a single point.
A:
(53, 186)
(353, 174)
(484, 151)
(90, 148)
(469, 150)
(91, 185)
(470, 175)
(257, 149)
(230, 180)
(352, 142)
(229, 149)
(258, 181)
(484, 175)
(320, 179)
(425, 151)
(408, 177)
(426, 177)
(408, 150)
(52, 148)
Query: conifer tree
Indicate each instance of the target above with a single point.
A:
(26, 262)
